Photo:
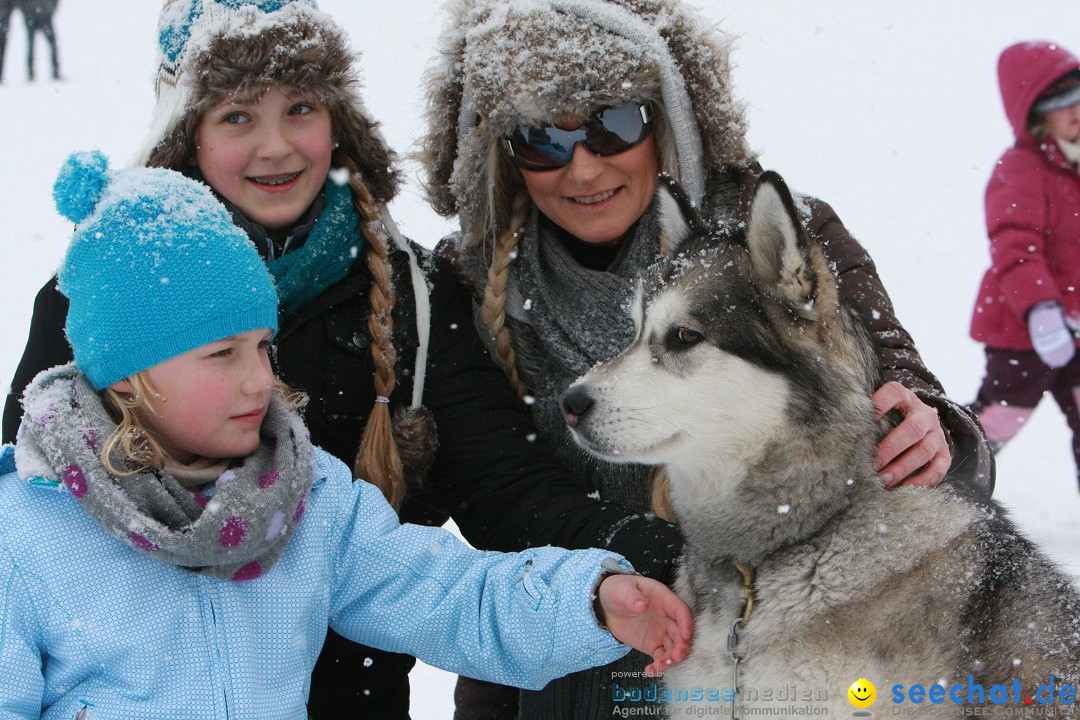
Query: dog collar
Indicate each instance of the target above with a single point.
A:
(746, 606)
(746, 593)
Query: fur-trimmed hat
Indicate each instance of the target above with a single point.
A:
(506, 63)
(155, 268)
(213, 49)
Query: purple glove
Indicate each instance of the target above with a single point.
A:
(1050, 335)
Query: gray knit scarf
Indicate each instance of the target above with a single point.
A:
(566, 318)
(235, 529)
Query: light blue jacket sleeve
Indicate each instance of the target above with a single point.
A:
(519, 619)
(21, 682)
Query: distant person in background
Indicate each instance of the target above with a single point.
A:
(6, 6)
(1028, 305)
(38, 16)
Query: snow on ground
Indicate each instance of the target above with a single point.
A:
(888, 110)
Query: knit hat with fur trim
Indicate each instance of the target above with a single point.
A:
(506, 63)
(155, 268)
(211, 50)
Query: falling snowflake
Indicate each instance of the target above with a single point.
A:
(340, 176)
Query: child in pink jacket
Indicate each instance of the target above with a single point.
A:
(1028, 303)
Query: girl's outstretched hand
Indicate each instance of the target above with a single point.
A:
(647, 616)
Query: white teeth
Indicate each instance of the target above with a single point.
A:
(598, 197)
(276, 179)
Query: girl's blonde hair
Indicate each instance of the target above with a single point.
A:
(378, 459)
(131, 441)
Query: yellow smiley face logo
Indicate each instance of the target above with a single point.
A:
(862, 693)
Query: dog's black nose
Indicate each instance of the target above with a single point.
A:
(575, 402)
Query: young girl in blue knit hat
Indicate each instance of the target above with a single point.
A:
(259, 99)
(173, 546)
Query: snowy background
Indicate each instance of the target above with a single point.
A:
(889, 110)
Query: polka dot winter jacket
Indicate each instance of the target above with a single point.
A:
(89, 623)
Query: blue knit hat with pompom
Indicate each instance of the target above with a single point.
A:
(155, 268)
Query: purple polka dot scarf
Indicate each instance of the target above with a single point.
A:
(235, 528)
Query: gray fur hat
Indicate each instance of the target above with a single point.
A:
(505, 63)
(213, 49)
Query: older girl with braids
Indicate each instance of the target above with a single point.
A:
(259, 99)
(548, 123)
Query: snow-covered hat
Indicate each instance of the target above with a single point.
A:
(213, 49)
(506, 63)
(155, 268)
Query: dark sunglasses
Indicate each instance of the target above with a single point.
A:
(606, 132)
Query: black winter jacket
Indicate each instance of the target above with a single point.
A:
(499, 484)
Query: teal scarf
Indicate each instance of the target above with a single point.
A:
(330, 250)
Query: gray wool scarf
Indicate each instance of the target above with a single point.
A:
(566, 318)
(235, 529)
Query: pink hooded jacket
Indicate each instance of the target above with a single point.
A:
(1032, 209)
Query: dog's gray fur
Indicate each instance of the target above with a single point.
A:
(750, 380)
(37, 15)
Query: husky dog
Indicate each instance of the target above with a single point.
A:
(750, 380)
(37, 15)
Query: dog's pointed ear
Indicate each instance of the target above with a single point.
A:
(678, 217)
(779, 251)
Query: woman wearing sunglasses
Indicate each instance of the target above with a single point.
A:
(548, 123)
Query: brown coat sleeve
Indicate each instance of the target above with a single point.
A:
(899, 360)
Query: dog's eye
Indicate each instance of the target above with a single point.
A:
(685, 337)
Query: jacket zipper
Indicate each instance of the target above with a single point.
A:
(217, 646)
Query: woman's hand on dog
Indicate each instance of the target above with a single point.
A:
(915, 452)
(647, 616)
